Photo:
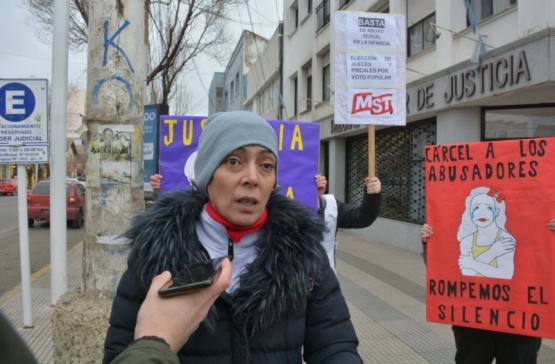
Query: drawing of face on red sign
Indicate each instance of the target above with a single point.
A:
(376, 105)
(487, 248)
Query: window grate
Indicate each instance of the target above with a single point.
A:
(399, 165)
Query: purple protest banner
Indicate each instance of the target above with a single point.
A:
(298, 148)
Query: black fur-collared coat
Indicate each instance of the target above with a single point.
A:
(288, 304)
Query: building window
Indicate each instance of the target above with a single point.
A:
(237, 83)
(309, 92)
(323, 14)
(421, 35)
(529, 121)
(326, 81)
(399, 165)
(231, 91)
(485, 8)
(296, 18)
(226, 102)
(342, 3)
(309, 7)
(268, 99)
(219, 98)
(245, 84)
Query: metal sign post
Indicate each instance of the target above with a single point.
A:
(24, 140)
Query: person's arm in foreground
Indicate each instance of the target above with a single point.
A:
(12, 347)
(425, 233)
(551, 224)
(357, 217)
(172, 320)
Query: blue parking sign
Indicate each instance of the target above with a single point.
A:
(17, 101)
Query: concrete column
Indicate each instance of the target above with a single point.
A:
(444, 42)
(336, 179)
(398, 7)
(115, 101)
(534, 15)
(459, 125)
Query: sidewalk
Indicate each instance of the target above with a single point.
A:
(384, 287)
(39, 338)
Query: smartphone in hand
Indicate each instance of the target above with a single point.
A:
(193, 277)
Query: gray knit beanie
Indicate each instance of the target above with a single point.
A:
(224, 132)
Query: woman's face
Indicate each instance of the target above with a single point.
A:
(482, 210)
(241, 186)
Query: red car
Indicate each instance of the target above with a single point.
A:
(38, 203)
(8, 186)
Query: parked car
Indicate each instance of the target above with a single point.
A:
(38, 203)
(8, 186)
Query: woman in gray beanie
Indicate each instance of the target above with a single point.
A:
(284, 303)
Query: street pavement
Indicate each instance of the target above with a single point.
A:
(384, 287)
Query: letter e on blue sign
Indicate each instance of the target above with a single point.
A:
(17, 102)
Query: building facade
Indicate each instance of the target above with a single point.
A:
(452, 95)
(264, 79)
(228, 90)
(448, 100)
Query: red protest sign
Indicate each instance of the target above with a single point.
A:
(491, 258)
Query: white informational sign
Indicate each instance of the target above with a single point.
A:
(24, 121)
(148, 151)
(370, 74)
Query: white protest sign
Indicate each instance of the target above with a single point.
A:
(370, 74)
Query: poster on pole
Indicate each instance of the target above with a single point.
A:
(490, 261)
(370, 73)
(298, 149)
(24, 121)
(151, 130)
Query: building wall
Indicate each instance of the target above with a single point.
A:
(262, 96)
(234, 79)
(232, 93)
(218, 81)
(75, 109)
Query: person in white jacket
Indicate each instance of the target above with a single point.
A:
(340, 215)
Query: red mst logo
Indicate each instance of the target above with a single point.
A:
(377, 105)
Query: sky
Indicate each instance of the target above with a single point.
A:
(23, 55)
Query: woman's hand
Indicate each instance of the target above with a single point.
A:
(321, 183)
(425, 233)
(155, 181)
(373, 185)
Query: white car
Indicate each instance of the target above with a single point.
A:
(82, 183)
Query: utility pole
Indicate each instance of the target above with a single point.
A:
(117, 54)
(115, 103)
